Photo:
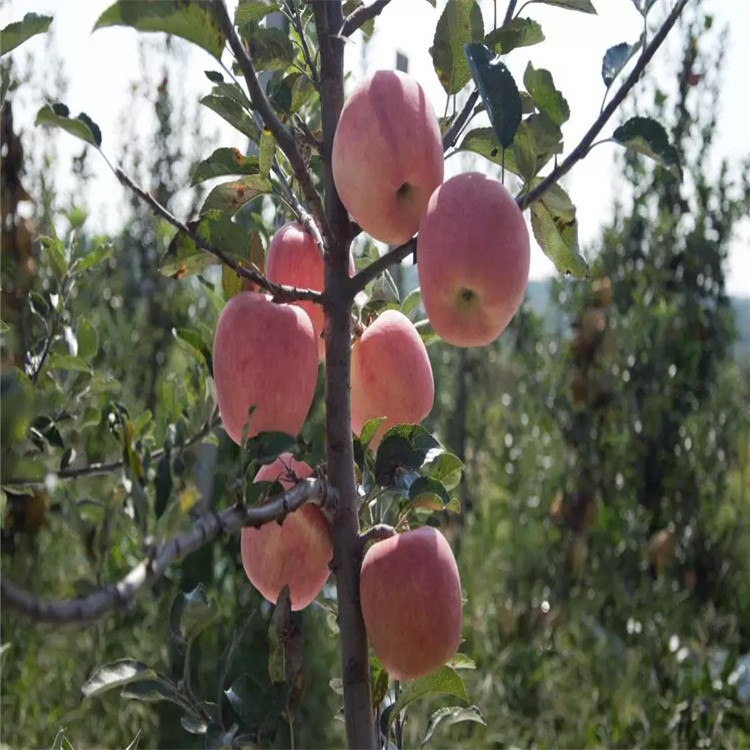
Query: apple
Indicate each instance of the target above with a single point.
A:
(387, 155)
(391, 375)
(294, 553)
(295, 259)
(265, 356)
(472, 259)
(410, 593)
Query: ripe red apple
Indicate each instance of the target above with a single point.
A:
(391, 375)
(295, 553)
(387, 155)
(472, 259)
(294, 259)
(265, 355)
(410, 592)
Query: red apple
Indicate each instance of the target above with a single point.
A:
(387, 155)
(391, 375)
(410, 592)
(295, 259)
(294, 553)
(265, 355)
(473, 259)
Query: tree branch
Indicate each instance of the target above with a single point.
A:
(206, 528)
(280, 292)
(361, 279)
(281, 133)
(361, 15)
(451, 135)
(305, 49)
(106, 467)
(509, 12)
(582, 149)
(376, 533)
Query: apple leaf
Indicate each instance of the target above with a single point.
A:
(426, 332)
(266, 151)
(369, 429)
(498, 91)
(230, 197)
(270, 48)
(379, 681)
(460, 23)
(249, 11)
(585, 6)
(224, 162)
(184, 258)
(648, 137)
(187, 19)
(231, 110)
(192, 613)
(443, 680)
(429, 490)
(115, 675)
(412, 301)
(194, 339)
(16, 33)
(518, 32)
(547, 98)
(231, 282)
(268, 446)
(402, 447)
(616, 58)
(557, 235)
(445, 468)
(152, 691)
(483, 141)
(445, 717)
(58, 116)
(256, 703)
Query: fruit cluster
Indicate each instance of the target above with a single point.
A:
(473, 264)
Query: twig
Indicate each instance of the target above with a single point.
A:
(509, 12)
(582, 149)
(451, 135)
(361, 15)
(280, 292)
(106, 467)
(304, 217)
(281, 133)
(360, 280)
(305, 49)
(376, 533)
(206, 528)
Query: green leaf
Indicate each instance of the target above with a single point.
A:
(115, 675)
(443, 680)
(231, 282)
(402, 447)
(257, 703)
(88, 341)
(19, 31)
(232, 111)
(498, 91)
(648, 137)
(459, 23)
(153, 691)
(67, 362)
(615, 59)
(268, 446)
(483, 141)
(266, 151)
(426, 332)
(369, 429)
(187, 19)
(379, 681)
(58, 116)
(230, 197)
(558, 237)
(429, 493)
(547, 98)
(184, 258)
(192, 613)
(585, 6)
(412, 301)
(98, 255)
(519, 32)
(134, 742)
(449, 715)
(196, 341)
(249, 11)
(223, 162)
(277, 629)
(270, 48)
(461, 661)
(445, 468)
(193, 724)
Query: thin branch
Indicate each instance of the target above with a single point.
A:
(451, 135)
(509, 11)
(360, 280)
(308, 136)
(280, 292)
(206, 529)
(582, 149)
(281, 133)
(361, 15)
(377, 533)
(303, 216)
(106, 467)
(305, 49)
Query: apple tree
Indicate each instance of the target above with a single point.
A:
(344, 173)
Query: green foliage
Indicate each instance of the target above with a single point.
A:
(16, 33)
(460, 23)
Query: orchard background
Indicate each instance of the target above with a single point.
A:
(600, 523)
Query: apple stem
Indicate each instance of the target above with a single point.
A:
(376, 533)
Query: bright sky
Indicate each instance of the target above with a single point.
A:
(101, 67)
